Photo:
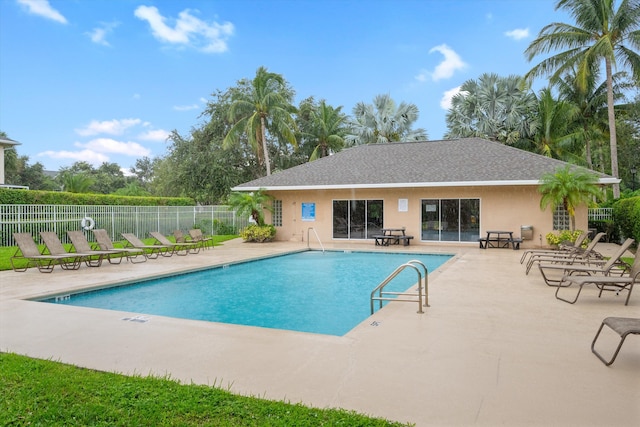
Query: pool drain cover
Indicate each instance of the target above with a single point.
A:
(138, 319)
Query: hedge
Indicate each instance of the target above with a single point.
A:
(626, 214)
(37, 197)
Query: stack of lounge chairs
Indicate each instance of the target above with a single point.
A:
(575, 267)
(194, 236)
(569, 255)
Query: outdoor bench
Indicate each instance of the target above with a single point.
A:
(405, 240)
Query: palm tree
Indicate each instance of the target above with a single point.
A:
(326, 129)
(591, 101)
(601, 33)
(568, 188)
(77, 183)
(384, 122)
(265, 107)
(553, 137)
(252, 204)
(492, 107)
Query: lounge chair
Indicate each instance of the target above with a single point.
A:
(197, 236)
(72, 260)
(81, 244)
(623, 326)
(104, 241)
(605, 269)
(179, 248)
(151, 251)
(616, 284)
(563, 248)
(587, 255)
(28, 250)
(181, 237)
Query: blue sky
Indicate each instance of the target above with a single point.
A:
(107, 80)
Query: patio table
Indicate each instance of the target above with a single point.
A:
(499, 239)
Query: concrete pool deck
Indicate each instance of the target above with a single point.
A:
(495, 347)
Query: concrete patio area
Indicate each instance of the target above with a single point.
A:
(494, 348)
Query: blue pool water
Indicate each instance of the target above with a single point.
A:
(326, 293)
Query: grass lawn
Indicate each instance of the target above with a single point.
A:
(42, 392)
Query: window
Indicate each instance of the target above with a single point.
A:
(357, 219)
(451, 220)
(276, 215)
(561, 219)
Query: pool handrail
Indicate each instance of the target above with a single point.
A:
(317, 237)
(397, 271)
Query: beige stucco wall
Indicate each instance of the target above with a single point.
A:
(501, 208)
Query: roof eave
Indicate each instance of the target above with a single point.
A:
(601, 181)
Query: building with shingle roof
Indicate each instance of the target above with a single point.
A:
(439, 191)
(5, 143)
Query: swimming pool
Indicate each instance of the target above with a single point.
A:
(312, 291)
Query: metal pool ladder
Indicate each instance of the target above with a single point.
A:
(317, 237)
(416, 296)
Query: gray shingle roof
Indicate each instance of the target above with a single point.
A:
(467, 161)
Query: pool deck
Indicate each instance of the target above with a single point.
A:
(495, 347)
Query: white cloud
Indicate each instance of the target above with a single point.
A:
(451, 63)
(88, 156)
(518, 33)
(154, 135)
(186, 107)
(187, 30)
(109, 127)
(445, 101)
(44, 9)
(127, 172)
(422, 77)
(99, 34)
(108, 145)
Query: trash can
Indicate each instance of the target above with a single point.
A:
(526, 232)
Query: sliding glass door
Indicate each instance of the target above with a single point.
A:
(357, 219)
(451, 220)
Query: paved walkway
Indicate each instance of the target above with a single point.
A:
(494, 348)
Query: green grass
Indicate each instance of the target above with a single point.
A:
(41, 392)
(6, 252)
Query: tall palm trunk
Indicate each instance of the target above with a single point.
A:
(587, 144)
(264, 145)
(613, 142)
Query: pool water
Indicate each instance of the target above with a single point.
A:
(325, 293)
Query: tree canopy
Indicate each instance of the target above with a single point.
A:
(601, 34)
(384, 121)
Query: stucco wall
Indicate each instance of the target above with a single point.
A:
(501, 208)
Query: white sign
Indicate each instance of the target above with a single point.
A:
(403, 205)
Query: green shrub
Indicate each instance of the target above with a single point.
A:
(258, 233)
(626, 214)
(563, 236)
(223, 227)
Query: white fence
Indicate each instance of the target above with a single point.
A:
(139, 220)
(601, 214)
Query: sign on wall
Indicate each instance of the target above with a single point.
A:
(308, 211)
(403, 205)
